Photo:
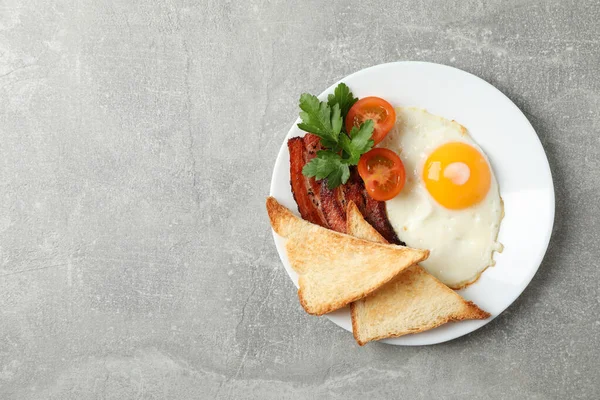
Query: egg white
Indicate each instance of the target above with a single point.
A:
(461, 242)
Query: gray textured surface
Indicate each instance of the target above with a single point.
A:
(137, 140)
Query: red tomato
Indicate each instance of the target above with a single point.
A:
(380, 111)
(383, 173)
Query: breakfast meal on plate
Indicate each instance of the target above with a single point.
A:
(399, 208)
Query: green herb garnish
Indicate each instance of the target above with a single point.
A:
(341, 149)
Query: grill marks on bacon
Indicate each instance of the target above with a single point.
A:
(327, 207)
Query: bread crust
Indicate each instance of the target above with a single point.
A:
(355, 326)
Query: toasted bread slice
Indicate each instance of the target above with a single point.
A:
(336, 269)
(412, 302)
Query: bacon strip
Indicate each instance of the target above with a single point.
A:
(333, 207)
(353, 191)
(376, 215)
(313, 144)
(301, 188)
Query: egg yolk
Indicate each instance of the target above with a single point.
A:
(457, 175)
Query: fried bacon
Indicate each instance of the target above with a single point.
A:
(301, 187)
(313, 144)
(354, 191)
(333, 206)
(376, 215)
(327, 207)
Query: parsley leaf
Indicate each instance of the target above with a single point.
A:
(336, 120)
(343, 97)
(330, 165)
(339, 176)
(359, 141)
(340, 150)
(322, 165)
(321, 119)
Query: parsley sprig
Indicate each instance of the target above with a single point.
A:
(341, 149)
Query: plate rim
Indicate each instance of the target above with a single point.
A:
(517, 111)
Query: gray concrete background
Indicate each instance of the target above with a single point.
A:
(137, 140)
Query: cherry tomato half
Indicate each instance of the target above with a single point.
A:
(383, 173)
(380, 111)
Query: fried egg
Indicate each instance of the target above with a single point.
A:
(450, 203)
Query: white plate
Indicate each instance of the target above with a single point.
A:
(516, 155)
